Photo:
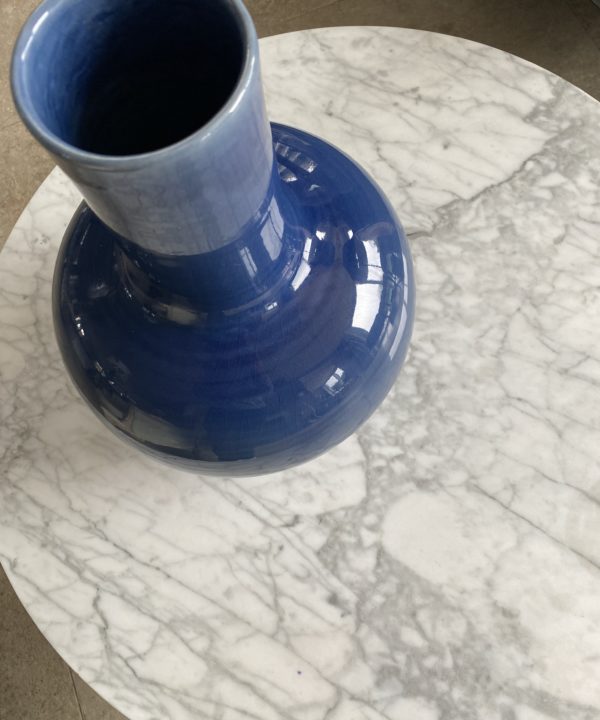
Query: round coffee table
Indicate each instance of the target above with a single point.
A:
(442, 564)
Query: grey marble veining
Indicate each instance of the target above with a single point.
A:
(444, 563)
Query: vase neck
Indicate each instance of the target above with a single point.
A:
(196, 197)
(157, 115)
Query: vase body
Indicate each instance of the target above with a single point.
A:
(234, 297)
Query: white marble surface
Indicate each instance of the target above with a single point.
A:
(444, 564)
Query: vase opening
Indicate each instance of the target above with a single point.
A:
(125, 77)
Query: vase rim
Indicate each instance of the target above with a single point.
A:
(56, 145)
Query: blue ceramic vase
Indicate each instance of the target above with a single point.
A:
(234, 297)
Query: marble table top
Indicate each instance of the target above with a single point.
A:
(442, 564)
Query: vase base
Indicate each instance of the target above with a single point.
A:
(254, 386)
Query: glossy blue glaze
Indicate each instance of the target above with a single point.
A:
(237, 301)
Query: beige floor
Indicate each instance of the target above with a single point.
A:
(561, 35)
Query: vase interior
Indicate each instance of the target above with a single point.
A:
(124, 77)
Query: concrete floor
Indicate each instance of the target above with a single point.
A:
(561, 35)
